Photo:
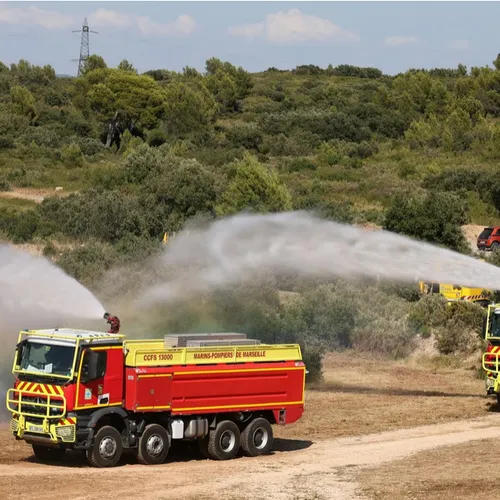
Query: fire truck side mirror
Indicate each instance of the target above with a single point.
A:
(483, 330)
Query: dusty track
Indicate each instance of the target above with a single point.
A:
(31, 194)
(298, 470)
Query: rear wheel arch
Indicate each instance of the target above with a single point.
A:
(241, 419)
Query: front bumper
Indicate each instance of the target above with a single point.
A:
(41, 430)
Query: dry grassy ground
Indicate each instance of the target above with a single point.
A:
(318, 457)
(462, 472)
(362, 395)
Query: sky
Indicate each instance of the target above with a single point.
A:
(392, 36)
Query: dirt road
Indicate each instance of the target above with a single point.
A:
(297, 470)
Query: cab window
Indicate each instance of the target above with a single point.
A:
(94, 365)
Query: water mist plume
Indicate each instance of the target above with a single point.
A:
(245, 246)
(34, 293)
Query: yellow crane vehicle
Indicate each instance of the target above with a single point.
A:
(455, 293)
(490, 360)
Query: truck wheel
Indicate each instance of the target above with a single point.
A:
(224, 441)
(257, 438)
(46, 454)
(153, 445)
(107, 448)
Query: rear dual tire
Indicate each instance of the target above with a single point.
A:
(224, 442)
(257, 438)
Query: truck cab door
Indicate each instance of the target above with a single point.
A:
(100, 379)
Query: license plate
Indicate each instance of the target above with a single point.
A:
(36, 428)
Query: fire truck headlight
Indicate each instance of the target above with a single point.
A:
(490, 382)
(65, 431)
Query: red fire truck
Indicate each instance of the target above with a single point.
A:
(102, 393)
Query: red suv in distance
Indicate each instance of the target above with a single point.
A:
(489, 239)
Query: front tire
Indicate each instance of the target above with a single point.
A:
(46, 454)
(224, 441)
(154, 445)
(107, 448)
(257, 438)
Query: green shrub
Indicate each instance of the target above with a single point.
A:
(313, 359)
(435, 217)
(246, 135)
(429, 312)
(49, 250)
(390, 337)
(5, 185)
(462, 332)
(299, 164)
(7, 142)
(71, 155)
(108, 176)
(90, 147)
(156, 138)
(20, 227)
(407, 291)
(252, 186)
(456, 326)
(87, 263)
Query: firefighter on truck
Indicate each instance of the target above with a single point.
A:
(102, 393)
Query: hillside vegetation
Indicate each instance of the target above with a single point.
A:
(138, 155)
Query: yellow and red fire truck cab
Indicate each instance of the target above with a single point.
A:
(102, 393)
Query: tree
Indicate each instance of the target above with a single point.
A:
(223, 87)
(183, 190)
(126, 66)
(125, 101)
(23, 102)
(496, 62)
(189, 72)
(253, 186)
(188, 108)
(228, 83)
(92, 63)
(435, 218)
(32, 76)
(457, 136)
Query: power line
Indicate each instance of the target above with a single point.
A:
(84, 45)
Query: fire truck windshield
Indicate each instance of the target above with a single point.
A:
(49, 359)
